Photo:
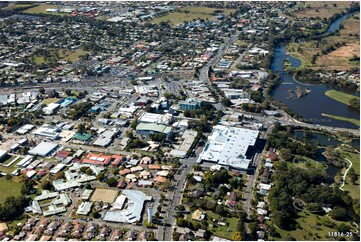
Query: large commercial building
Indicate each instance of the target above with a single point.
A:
(228, 146)
(44, 149)
(146, 129)
(134, 207)
(104, 139)
(48, 131)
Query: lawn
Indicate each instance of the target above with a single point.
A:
(355, 159)
(9, 188)
(179, 16)
(340, 96)
(75, 55)
(42, 9)
(50, 100)
(309, 229)
(350, 120)
(39, 60)
(222, 231)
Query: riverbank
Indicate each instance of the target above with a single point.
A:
(340, 96)
(335, 51)
(340, 118)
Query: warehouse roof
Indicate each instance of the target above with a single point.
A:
(159, 128)
(133, 211)
(43, 149)
(228, 146)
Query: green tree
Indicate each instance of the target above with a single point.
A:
(89, 171)
(226, 102)
(339, 214)
(81, 128)
(112, 182)
(47, 185)
(96, 214)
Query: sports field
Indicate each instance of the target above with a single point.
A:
(104, 195)
(42, 9)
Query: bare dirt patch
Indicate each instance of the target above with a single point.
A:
(104, 195)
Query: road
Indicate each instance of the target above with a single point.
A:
(256, 162)
(175, 196)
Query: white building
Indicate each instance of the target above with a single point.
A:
(228, 146)
(155, 118)
(104, 139)
(48, 131)
(133, 210)
(44, 149)
(51, 108)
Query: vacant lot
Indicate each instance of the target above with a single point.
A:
(9, 188)
(321, 9)
(338, 59)
(104, 195)
(190, 14)
(42, 9)
(340, 96)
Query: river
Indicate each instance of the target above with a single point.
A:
(316, 102)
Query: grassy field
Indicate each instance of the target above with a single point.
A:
(321, 9)
(61, 54)
(355, 159)
(50, 100)
(39, 60)
(178, 17)
(310, 229)
(9, 188)
(74, 56)
(42, 9)
(351, 120)
(338, 59)
(340, 96)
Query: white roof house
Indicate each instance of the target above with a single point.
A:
(228, 146)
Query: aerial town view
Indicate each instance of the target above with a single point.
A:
(179, 120)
